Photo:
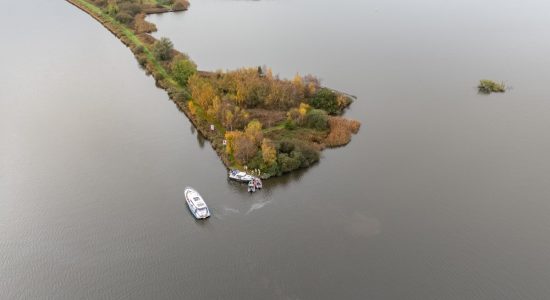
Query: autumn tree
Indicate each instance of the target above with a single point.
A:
(228, 119)
(244, 149)
(214, 109)
(311, 84)
(269, 153)
(240, 117)
(293, 116)
(298, 115)
(303, 110)
(192, 107)
(298, 84)
(202, 91)
(281, 96)
(230, 137)
(240, 146)
(254, 131)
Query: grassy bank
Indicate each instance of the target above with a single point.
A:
(252, 118)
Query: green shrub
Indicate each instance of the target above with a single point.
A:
(272, 170)
(256, 162)
(287, 163)
(298, 151)
(162, 49)
(165, 2)
(308, 155)
(286, 146)
(182, 95)
(182, 69)
(326, 100)
(317, 119)
(290, 125)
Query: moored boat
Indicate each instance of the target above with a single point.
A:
(240, 176)
(251, 186)
(258, 183)
(196, 204)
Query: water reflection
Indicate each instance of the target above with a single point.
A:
(200, 139)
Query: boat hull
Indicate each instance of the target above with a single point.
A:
(197, 213)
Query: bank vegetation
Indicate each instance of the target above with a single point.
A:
(488, 86)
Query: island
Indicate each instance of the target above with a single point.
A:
(487, 86)
(253, 119)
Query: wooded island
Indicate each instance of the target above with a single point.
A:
(252, 118)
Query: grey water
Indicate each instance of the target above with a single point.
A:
(443, 194)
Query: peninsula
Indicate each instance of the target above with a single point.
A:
(252, 118)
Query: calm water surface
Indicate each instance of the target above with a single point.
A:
(444, 193)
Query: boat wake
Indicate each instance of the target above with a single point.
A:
(257, 206)
(229, 210)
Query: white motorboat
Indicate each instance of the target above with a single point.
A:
(251, 186)
(196, 204)
(240, 176)
(258, 183)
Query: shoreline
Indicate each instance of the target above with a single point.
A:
(180, 104)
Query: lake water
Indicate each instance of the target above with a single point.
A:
(443, 194)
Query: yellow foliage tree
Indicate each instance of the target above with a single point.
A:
(304, 109)
(202, 91)
(242, 93)
(240, 145)
(192, 107)
(214, 109)
(230, 137)
(254, 131)
(269, 153)
(311, 89)
(297, 81)
(298, 84)
(228, 119)
(240, 116)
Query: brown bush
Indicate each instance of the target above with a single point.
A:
(180, 5)
(141, 26)
(340, 131)
(124, 18)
